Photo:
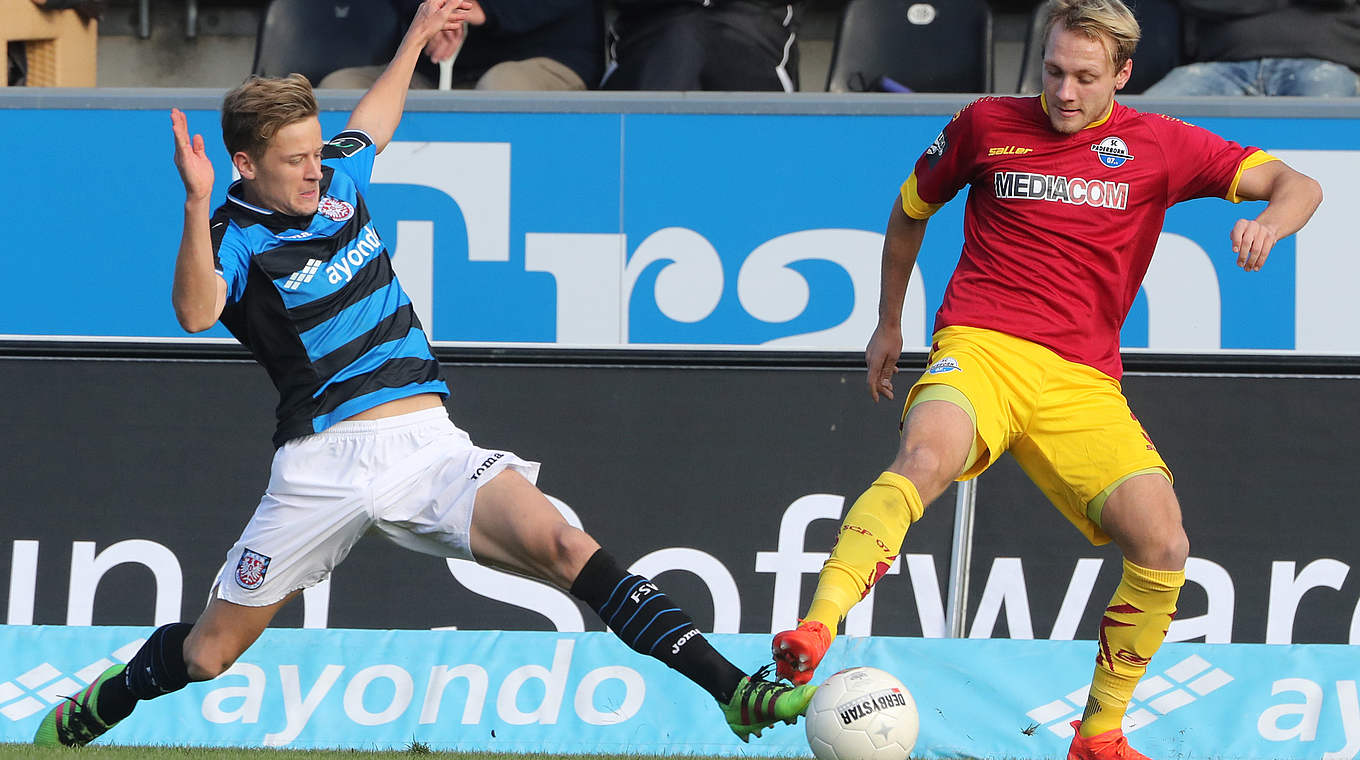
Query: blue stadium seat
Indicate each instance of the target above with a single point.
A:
(924, 47)
(316, 37)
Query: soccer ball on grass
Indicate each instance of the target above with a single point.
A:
(862, 714)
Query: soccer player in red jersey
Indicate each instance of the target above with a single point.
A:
(1068, 192)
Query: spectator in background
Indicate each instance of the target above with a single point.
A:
(738, 45)
(1268, 47)
(506, 45)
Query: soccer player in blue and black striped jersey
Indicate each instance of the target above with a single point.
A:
(292, 266)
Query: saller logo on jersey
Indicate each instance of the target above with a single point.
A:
(250, 569)
(1073, 190)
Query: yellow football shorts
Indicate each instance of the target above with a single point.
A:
(1068, 425)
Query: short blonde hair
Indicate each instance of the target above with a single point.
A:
(259, 107)
(1109, 21)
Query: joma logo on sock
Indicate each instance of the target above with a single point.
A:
(675, 648)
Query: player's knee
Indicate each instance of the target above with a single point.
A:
(1176, 547)
(564, 553)
(205, 663)
(1165, 549)
(926, 469)
(1169, 541)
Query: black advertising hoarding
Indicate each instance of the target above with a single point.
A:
(126, 481)
(651, 460)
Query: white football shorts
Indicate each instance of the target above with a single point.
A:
(413, 478)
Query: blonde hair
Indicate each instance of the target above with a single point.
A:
(1109, 21)
(259, 107)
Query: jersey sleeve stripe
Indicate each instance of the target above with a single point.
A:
(1252, 161)
(353, 131)
(912, 203)
(346, 144)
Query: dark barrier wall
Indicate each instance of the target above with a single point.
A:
(126, 481)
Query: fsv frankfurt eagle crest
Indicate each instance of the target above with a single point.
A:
(250, 569)
(334, 208)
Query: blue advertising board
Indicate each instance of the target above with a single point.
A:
(573, 693)
(625, 226)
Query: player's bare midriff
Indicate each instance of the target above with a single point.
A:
(400, 406)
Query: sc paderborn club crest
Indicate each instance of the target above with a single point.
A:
(250, 569)
(334, 208)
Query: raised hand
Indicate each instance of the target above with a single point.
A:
(436, 16)
(191, 159)
(444, 44)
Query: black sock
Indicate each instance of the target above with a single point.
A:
(115, 702)
(157, 668)
(650, 623)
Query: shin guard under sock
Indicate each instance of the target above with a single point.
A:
(650, 623)
(1131, 631)
(157, 668)
(868, 543)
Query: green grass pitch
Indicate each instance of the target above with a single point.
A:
(414, 751)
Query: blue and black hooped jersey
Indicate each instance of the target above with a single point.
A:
(315, 299)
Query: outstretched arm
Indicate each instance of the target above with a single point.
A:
(1292, 198)
(901, 244)
(199, 292)
(379, 111)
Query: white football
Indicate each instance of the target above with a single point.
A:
(862, 714)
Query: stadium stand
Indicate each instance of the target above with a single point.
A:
(316, 37)
(1159, 51)
(884, 45)
(212, 43)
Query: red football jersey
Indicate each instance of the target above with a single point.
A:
(1059, 229)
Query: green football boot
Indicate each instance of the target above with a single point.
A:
(74, 722)
(758, 704)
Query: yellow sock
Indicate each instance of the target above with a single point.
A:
(1132, 629)
(867, 545)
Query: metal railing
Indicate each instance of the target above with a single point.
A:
(144, 19)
